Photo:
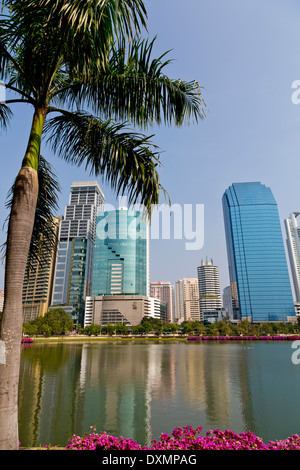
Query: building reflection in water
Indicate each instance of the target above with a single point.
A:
(141, 390)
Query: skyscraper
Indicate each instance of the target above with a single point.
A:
(121, 257)
(187, 299)
(38, 282)
(293, 245)
(256, 256)
(228, 302)
(209, 288)
(165, 292)
(74, 262)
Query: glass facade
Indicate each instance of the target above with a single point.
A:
(121, 261)
(293, 245)
(257, 263)
(74, 261)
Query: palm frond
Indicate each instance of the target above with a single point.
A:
(133, 86)
(80, 33)
(5, 114)
(126, 160)
(17, 64)
(125, 17)
(44, 235)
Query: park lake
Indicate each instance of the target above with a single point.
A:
(140, 389)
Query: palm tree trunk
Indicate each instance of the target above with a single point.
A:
(19, 234)
(18, 242)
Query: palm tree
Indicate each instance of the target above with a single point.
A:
(84, 71)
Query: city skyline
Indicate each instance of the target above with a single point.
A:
(250, 133)
(86, 218)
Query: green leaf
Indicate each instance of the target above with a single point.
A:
(5, 114)
(44, 237)
(133, 86)
(126, 160)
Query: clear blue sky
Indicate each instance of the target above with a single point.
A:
(246, 55)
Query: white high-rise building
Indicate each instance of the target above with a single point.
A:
(209, 288)
(165, 292)
(187, 299)
(75, 252)
(293, 245)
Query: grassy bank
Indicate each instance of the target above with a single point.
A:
(104, 338)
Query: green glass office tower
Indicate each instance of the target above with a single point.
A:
(121, 255)
(74, 261)
(258, 271)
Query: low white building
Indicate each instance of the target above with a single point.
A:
(126, 309)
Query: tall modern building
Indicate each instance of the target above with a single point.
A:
(38, 282)
(121, 257)
(209, 288)
(293, 246)
(74, 261)
(165, 292)
(228, 302)
(187, 299)
(256, 256)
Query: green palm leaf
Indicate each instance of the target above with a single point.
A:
(126, 160)
(133, 85)
(5, 115)
(44, 237)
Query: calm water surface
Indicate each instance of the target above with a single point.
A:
(142, 390)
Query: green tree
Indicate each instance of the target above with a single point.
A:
(137, 329)
(58, 320)
(121, 329)
(199, 328)
(266, 329)
(92, 329)
(145, 326)
(30, 329)
(109, 329)
(224, 328)
(244, 327)
(86, 73)
(187, 327)
(172, 327)
(150, 324)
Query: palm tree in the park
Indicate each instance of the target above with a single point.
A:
(84, 71)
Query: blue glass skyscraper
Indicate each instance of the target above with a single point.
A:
(258, 271)
(121, 255)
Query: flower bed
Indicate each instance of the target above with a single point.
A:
(185, 438)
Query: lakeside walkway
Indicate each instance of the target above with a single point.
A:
(153, 337)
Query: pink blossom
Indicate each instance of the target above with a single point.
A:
(185, 438)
